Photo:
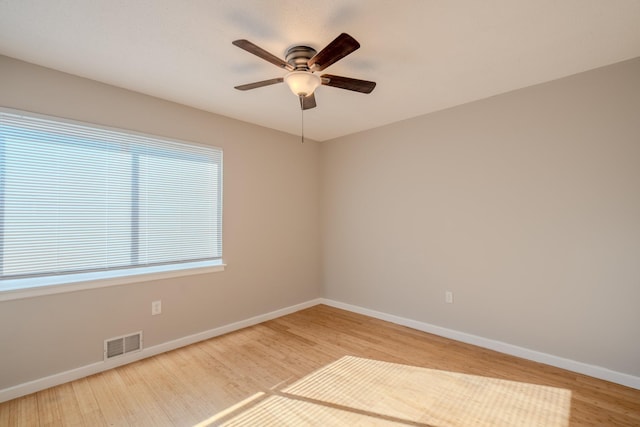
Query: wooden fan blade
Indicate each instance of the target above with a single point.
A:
(348, 83)
(342, 46)
(260, 52)
(260, 84)
(307, 102)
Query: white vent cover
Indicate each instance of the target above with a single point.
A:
(119, 346)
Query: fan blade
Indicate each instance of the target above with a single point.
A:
(308, 102)
(342, 46)
(260, 84)
(348, 83)
(260, 52)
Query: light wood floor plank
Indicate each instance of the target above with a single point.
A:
(48, 409)
(70, 412)
(87, 403)
(190, 385)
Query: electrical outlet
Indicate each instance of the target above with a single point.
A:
(448, 297)
(156, 307)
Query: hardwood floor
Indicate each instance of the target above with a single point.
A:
(194, 384)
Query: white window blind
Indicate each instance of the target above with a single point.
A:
(78, 198)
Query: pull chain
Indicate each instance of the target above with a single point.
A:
(301, 119)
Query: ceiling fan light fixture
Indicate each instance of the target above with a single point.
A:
(302, 83)
(302, 62)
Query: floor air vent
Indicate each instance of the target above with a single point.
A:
(120, 346)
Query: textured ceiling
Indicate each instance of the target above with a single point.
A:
(425, 55)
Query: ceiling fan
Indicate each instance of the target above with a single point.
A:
(303, 62)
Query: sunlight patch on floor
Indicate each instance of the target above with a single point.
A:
(356, 391)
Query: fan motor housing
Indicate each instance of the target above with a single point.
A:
(298, 56)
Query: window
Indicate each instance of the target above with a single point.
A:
(78, 199)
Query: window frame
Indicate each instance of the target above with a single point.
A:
(23, 287)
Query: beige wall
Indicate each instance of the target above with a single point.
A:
(525, 205)
(271, 232)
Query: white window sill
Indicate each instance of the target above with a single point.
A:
(32, 287)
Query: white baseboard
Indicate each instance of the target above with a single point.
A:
(513, 350)
(94, 368)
